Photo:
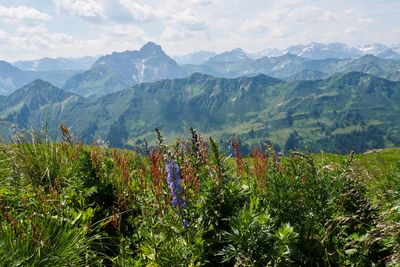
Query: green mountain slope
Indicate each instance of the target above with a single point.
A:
(353, 111)
(35, 104)
(307, 75)
(373, 65)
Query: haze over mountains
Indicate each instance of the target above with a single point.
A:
(332, 97)
(90, 76)
(313, 51)
(57, 71)
(51, 64)
(117, 71)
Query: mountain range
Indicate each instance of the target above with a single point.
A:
(57, 71)
(52, 64)
(289, 65)
(317, 51)
(352, 111)
(118, 71)
(330, 97)
(121, 70)
(12, 78)
(196, 58)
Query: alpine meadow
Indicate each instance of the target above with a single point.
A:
(199, 133)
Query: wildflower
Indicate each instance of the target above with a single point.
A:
(203, 150)
(259, 167)
(174, 184)
(238, 160)
(66, 134)
(156, 173)
(190, 178)
(185, 223)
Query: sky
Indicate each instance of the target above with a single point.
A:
(31, 29)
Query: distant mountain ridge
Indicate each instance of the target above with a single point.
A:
(317, 50)
(12, 78)
(119, 70)
(196, 58)
(236, 54)
(288, 65)
(324, 51)
(51, 64)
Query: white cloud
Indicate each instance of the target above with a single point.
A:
(182, 26)
(122, 30)
(255, 25)
(27, 43)
(170, 33)
(201, 2)
(82, 8)
(3, 37)
(109, 11)
(286, 23)
(354, 16)
(353, 30)
(3, 34)
(277, 19)
(328, 16)
(35, 29)
(188, 19)
(21, 13)
(266, 22)
(304, 14)
(140, 12)
(177, 35)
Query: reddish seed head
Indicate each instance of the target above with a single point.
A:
(238, 160)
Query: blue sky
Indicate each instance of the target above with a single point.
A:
(31, 29)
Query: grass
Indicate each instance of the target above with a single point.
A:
(372, 159)
(66, 204)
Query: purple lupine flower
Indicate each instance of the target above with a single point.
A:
(174, 184)
(185, 223)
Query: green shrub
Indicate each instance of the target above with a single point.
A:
(65, 204)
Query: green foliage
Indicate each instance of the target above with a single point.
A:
(65, 204)
(40, 161)
(48, 241)
(165, 242)
(252, 239)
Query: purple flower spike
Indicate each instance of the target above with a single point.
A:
(174, 184)
(185, 223)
